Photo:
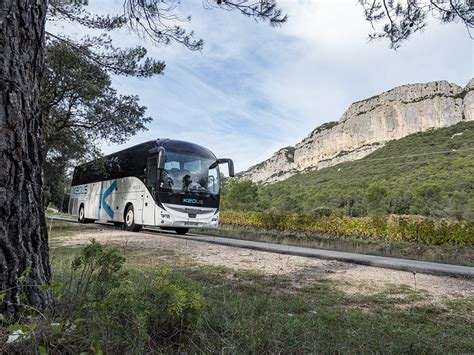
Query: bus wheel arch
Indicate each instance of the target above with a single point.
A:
(129, 219)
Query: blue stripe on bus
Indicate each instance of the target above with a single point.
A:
(100, 200)
(107, 192)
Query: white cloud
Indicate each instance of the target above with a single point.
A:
(254, 89)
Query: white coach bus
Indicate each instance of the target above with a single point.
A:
(165, 183)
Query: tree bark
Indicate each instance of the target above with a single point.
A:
(24, 252)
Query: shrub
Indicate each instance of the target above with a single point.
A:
(93, 273)
(319, 212)
(147, 316)
(375, 198)
(101, 308)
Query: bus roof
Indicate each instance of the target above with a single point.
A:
(186, 148)
(169, 144)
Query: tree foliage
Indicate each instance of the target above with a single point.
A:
(264, 10)
(79, 110)
(158, 21)
(398, 20)
(375, 198)
(240, 195)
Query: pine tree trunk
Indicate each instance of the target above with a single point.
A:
(24, 254)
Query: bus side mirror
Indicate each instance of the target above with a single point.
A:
(161, 158)
(230, 165)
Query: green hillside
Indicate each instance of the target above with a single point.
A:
(430, 173)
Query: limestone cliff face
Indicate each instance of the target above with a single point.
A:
(368, 124)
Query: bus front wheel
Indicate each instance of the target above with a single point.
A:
(181, 231)
(130, 224)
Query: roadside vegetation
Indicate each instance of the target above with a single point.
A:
(240, 226)
(402, 228)
(111, 301)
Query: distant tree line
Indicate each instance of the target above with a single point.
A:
(425, 200)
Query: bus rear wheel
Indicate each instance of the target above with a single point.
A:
(82, 216)
(130, 224)
(181, 231)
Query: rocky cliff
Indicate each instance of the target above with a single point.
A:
(367, 125)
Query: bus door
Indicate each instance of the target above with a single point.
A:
(151, 184)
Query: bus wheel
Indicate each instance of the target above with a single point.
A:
(130, 220)
(181, 231)
(81, 218)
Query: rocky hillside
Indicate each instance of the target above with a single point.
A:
(368, 125)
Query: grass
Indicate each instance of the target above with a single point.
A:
(246, 312)
(59, 229)
(249, 312)
(51, 211)
(392, 248)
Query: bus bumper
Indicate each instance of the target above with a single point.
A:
(206, 222)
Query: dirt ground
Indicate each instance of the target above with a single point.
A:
(350, 278)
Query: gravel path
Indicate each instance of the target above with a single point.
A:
(351, 278)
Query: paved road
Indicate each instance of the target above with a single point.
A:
(372, 260)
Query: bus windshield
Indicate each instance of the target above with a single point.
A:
(186, 173)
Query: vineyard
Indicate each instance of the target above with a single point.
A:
(402, 228)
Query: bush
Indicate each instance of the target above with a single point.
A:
(146, 316)
(93, 273)
(239, 194)
(321, 212)
(375, 198)
(100, 307)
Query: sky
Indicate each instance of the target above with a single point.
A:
(254, 89)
